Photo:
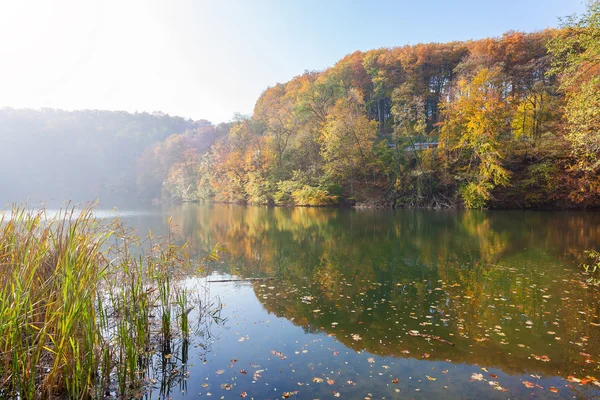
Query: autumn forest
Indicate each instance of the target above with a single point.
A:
(507, 122)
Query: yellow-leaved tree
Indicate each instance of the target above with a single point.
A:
(475, 119)
(347, 141)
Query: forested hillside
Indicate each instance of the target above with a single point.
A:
(508, 122)
(79, 155)
(501, 122)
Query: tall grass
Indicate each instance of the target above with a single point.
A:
(78, 298)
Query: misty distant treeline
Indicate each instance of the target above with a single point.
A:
(55, 155)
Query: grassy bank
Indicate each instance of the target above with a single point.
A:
(85, 305)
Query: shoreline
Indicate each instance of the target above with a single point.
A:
(363, 206)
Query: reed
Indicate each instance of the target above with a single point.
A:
(77, 303)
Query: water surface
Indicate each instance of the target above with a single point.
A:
(390, 304)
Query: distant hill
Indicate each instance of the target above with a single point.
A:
(57, 155)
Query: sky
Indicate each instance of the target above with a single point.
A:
(209, 59)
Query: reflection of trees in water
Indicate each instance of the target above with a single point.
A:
(469, 271)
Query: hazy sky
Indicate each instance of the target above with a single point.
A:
(209, 59)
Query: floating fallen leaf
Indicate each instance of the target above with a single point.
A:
(219, 372)
(317, 380)
(553, 389)
(430, 378)
(541, 358)
(330, 381)
(395, 380)
(278, 354)
(477, 377)
(528, 384)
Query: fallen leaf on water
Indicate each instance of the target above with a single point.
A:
(543, 358)
(528, 384)
(395, 380)
(317, 380)
(330, 381)
(430, 378)
(371, 360)
(477, 377)
(243, 394)
(219, 372)
(493, 376)
(553, 389)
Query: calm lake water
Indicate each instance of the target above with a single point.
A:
(389, 304)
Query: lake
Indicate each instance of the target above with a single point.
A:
(387, 304)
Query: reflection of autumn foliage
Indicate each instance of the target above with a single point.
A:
(382, 274)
